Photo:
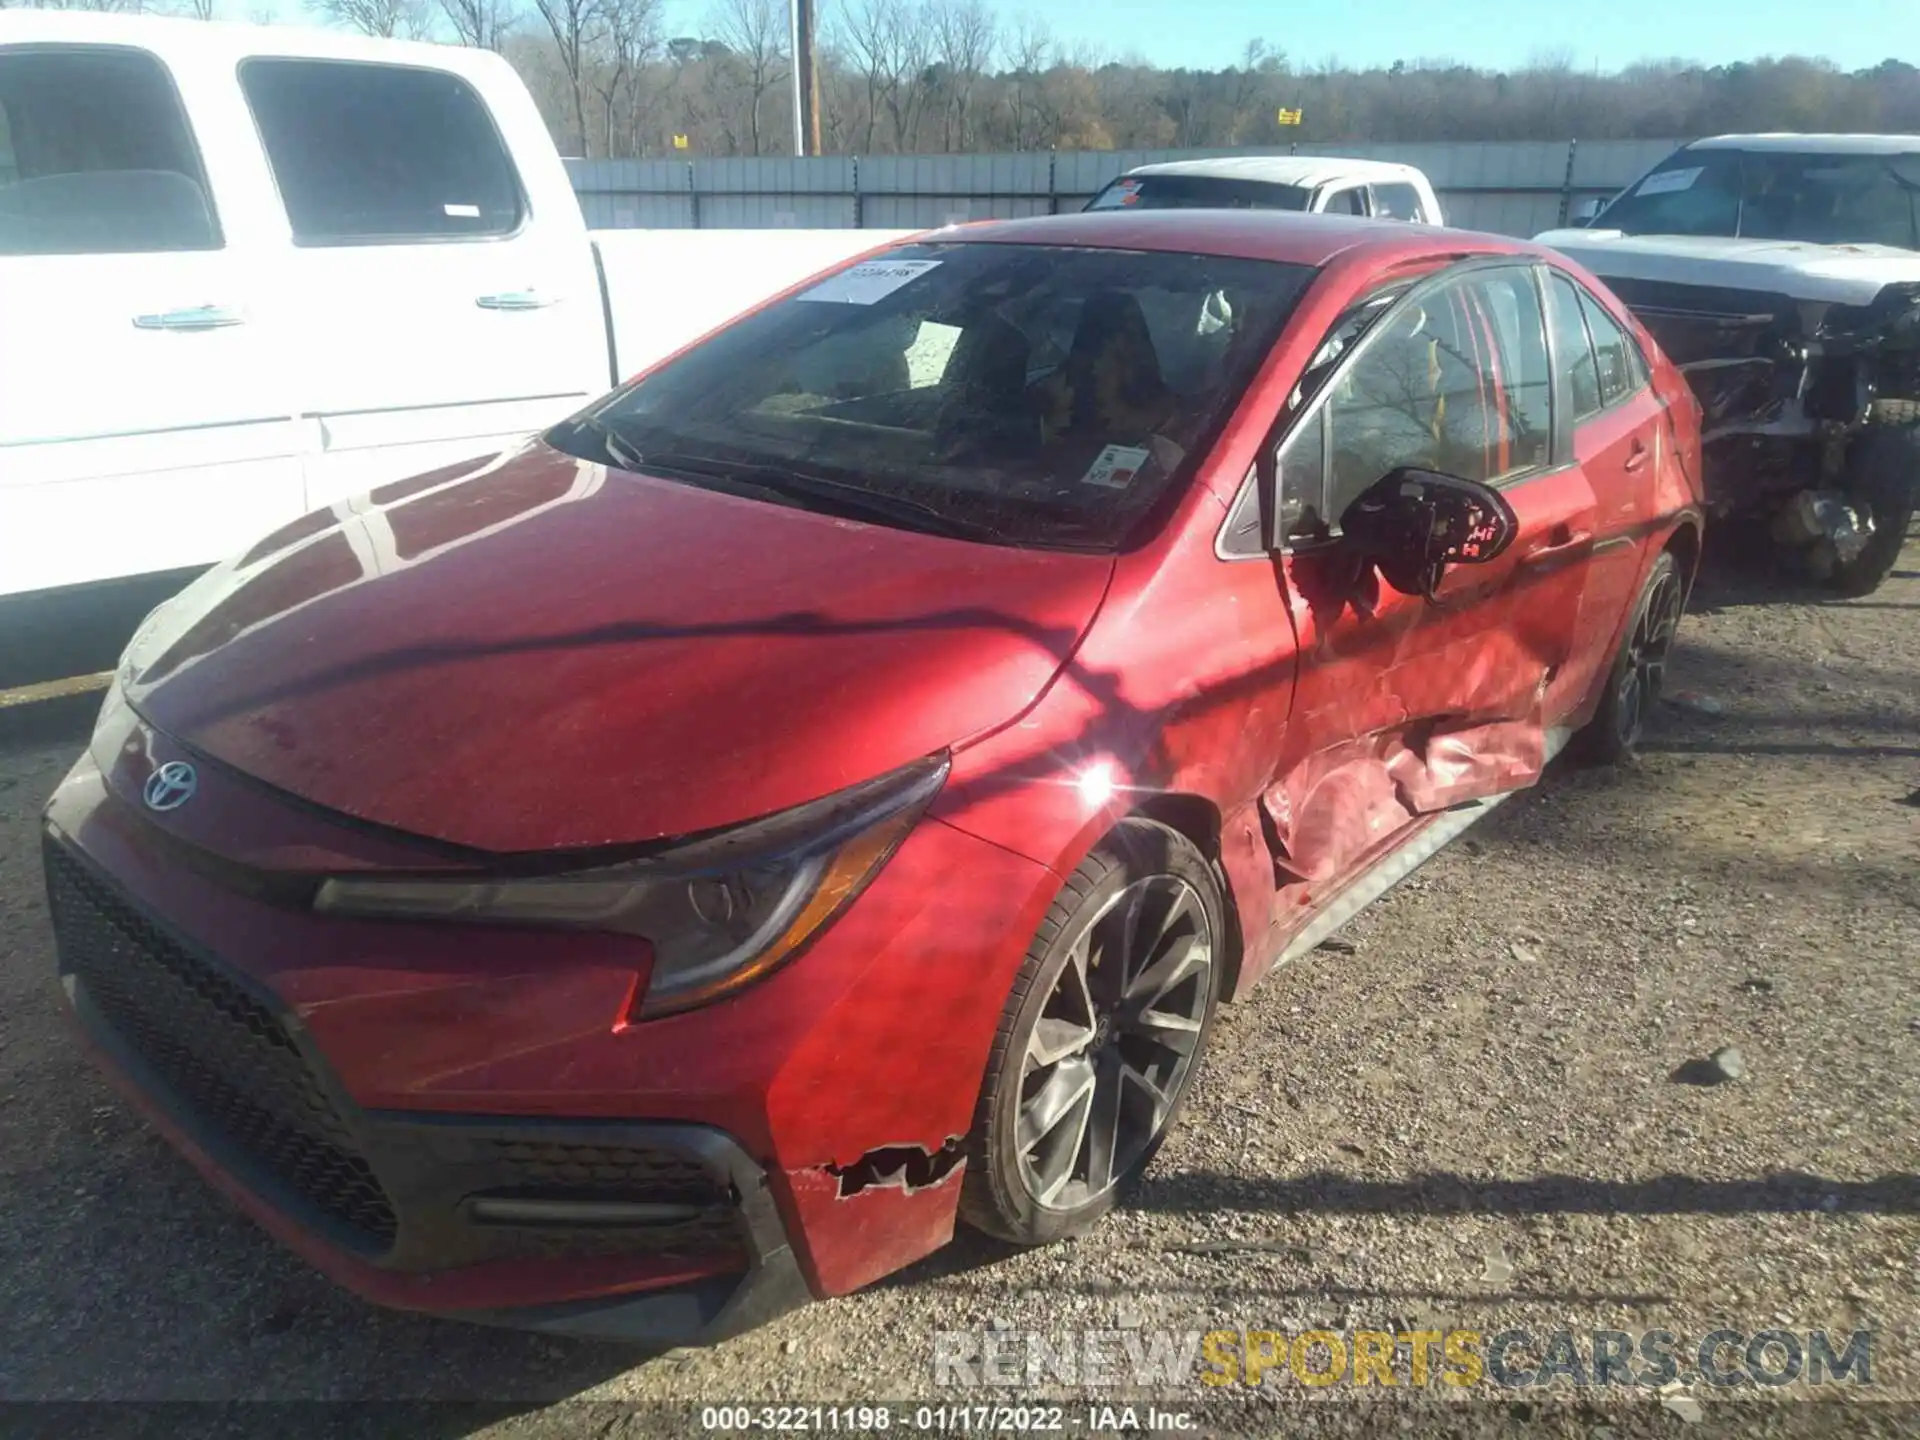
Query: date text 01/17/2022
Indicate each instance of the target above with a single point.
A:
(952, 1419)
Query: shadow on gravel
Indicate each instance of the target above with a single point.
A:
(1784, 1192)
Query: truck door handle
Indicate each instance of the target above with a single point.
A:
(1636, 456)
(197, 317)
(516, 300)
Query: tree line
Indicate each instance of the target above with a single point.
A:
(921, 76)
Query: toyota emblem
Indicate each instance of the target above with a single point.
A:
(171, 786)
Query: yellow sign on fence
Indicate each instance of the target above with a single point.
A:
(679, 142)
(1289, 117)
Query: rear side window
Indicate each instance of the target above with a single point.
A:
(1575, 350)
(1397, 202)
(1617, 358)
(96, 156)
(1351, 201)
(369, 154)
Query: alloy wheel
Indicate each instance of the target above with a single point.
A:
(1646, 661)
(1115, 1043)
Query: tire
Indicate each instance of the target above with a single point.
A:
(1883, 471)
(1032, 1182)
(1634, 680)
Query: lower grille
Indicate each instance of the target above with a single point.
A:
(222, 1051)
(641, 1174)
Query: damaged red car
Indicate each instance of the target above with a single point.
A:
(822, 792)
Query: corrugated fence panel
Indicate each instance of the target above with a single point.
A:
(1514, 187)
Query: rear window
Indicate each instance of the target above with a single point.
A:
(1198, 192)
(1048, 396)
(365, 154)
(96, 156)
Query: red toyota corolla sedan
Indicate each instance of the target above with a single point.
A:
(823, 790)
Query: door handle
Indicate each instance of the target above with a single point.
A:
(516, 300)
(1559, 541)
(1636, 457)
(195, 317)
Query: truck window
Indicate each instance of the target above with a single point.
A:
(1398, 201)
(96, 156)
(373, 154)
(1198, 192)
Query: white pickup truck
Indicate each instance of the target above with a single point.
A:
(246, 272)
(1317, 184)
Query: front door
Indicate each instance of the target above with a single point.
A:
(1405, 705)
(440, 317)
(145, 424)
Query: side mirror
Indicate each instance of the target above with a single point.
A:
(1585, 212)
(1413, 523)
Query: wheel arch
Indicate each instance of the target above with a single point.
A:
(1199, 820)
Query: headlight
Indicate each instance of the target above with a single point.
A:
(719, 912)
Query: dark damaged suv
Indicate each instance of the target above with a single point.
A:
(1782, 274)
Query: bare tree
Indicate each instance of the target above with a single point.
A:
(483, 24)
(755, 32)
(964, 36)
(388, 19)
(1025, 50)
(577, 27)
(631, 40)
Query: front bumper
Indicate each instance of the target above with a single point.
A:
(395, 1204)
(358, 1087)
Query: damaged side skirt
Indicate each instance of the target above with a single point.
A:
(900, 1167)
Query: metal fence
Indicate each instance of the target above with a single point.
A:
(1508, 187)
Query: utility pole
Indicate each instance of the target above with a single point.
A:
(806, 80)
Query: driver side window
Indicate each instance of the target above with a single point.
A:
(1453, 379)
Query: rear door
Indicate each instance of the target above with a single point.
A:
(445, 306)
(145, 416)
(1616, 437)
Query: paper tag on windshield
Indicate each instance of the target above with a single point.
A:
(868, 282)
(1668, 181)
(1115, 467)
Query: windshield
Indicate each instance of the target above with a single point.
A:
(1199, 192)
(1014, 393)
(1776, 195)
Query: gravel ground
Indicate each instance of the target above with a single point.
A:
(1472, 1110)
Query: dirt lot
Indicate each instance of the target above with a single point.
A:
(1462, 1114)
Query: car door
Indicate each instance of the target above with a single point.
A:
(1616, 440)
(1405, 706)
(145, 422)
(441, 317)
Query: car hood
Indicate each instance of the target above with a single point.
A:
(537, 652)
(1795, 269)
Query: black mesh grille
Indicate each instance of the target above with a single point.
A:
(224, 1053)
(628, 1171)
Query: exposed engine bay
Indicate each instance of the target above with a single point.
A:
(1782, 275)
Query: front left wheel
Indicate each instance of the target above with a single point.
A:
(1100, 1039)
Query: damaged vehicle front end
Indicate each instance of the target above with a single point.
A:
(1782, 274)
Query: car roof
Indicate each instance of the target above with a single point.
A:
(1283, 235)
(174, 36)
(1813, 144)
(1306, 171)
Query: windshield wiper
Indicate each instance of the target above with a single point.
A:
(616, 450)
(790, 483)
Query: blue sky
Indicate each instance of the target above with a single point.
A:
(1488, 33)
